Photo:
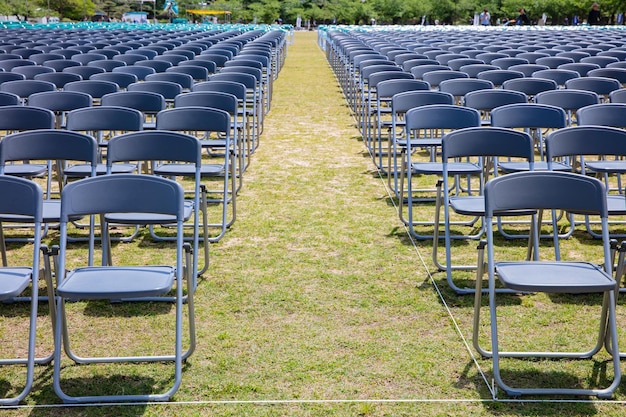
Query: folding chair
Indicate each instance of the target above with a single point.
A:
(555, 191)
(425, 126)
(119, 194)
(210, 124)
(26, 200)
(484, 145)
(229, 103)
(60, 102)
(600, 151)
(171, 154)
(47, 145)
(397, 146)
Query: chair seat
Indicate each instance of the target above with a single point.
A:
(475, 206)
(148, 218)
(51, 214)
(454, 168)
(554, 277)
(115, 282)
(13, 281)
(187, 170)
(84, 170)
(616, 204)
(538, 166)
(25, 170)
(420, 143)
(612, 166)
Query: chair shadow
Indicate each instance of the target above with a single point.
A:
(104, 308)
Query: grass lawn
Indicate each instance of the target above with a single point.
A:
(315, 295)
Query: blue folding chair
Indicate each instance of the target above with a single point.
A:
(551, 191)
(27, 201)
(119, 194)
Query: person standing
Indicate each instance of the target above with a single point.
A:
(522, 18)
(594, 17)
(485, 18)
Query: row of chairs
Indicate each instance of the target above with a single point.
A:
(499, 153)
(116, 161)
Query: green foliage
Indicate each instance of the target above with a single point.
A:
(330, 11)
(73, 9)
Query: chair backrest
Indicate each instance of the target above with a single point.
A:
(441, 116)
(559, 76)
(617, 73)
(506, 63)
(545, 190)
(32, 70)
(209, 65)
(402, 102)
(121, 193)
(407, 65)
(169, 90)
(48, 144)
(586, 140)
(487, 141)
(472, 70)
(158, 66)
(60, 101)
(59, 79)
(84, 59)
(434, 78)
(105, 118)
(618, 96)
(567, 99)
(154, 145)
(122, 80)
(461, 86)
(196, 72)
(24, 88)
(139, 71)
(83, 71)
(9, 99)
(27, 200)
(419, 71)
(212, 99)
(106, 64)
(489, 99)
(580, 67)
(600, 85)
(95, 88)
(15, 118)
(528, 115)
(184, 80)
(554, 61)
(202, 119)
(606, 114)
(530, 86)
(144, 101)
(498, 77)
(388, 88)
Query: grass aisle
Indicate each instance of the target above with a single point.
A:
(315, 292)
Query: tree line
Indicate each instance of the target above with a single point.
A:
(352, 12)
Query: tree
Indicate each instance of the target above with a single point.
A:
(73, 9)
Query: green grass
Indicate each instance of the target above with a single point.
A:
(315, 293)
